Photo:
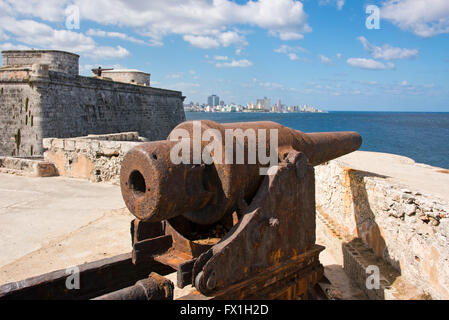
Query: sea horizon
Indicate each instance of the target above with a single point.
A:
(416, 135)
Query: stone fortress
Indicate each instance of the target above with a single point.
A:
(42, 95)
(373, 209)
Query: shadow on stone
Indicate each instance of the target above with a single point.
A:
(368, 252)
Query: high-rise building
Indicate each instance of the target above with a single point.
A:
(266, 103)
(263, 103)
(213, 100)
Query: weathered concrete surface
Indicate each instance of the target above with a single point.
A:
(93, 157)
(417, 176)
(399, 209)
(36, 167)
(52, 223)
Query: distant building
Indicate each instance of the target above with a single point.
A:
(263, 104)
(42, 95)
(213, 100)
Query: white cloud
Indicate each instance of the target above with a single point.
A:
(387, 52)
(108, 52)
(338, 55)
(231, 37)
(338, 3)
(11, 46)
(118, 35)
(234, 64)
(286, 49)
(175, 75)
(369, 64)
(3, 36)
(271, 85)
(202, 42)
(158, 18)
(290, 52)
(289, 35)
(221, 58)
(48, 10)
(39, 35)
(426, 18)
(293, 56)
(267, 84)
(325, 59)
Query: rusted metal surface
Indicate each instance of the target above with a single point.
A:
(226, 229)
(96, 278)
(236, 234)
(155, 287)
(141, 230)
(146, 249)
(277, 229)
(155, 189)
(185, 273)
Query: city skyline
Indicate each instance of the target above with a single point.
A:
(327, 53)
(262, 105)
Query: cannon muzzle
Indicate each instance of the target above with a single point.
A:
(206, 170)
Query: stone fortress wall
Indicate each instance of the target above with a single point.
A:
(388, 211)
(97, 158)
(58, 61)
(42, 95)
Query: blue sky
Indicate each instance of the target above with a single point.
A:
(317, 52)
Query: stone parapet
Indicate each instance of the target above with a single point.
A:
(88, 158)
(35, 167)
(405, 225)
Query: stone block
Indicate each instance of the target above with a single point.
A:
(46, 169)
(109, 145)
(58, 143)
(46, 143)
(126, 146)
(69, 145)
(81, 144)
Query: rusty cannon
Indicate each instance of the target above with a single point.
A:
(234, 225)
(229, 207)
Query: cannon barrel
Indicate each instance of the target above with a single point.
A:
(155, 187)
(325, 146)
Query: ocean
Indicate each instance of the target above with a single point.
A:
(424, 137)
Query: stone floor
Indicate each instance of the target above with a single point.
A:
(52, 223)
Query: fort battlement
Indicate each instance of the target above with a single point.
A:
(59, 61)
(42, 95)
(128, 76)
